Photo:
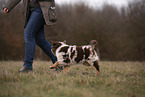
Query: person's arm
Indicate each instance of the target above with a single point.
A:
(6, 10)
(10, 5)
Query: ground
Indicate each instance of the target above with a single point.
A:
(116, 79)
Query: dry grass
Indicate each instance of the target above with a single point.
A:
(116, 79)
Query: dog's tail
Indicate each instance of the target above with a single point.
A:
(94, 44)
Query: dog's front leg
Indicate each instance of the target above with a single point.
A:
(66, 69)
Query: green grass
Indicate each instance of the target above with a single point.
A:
(116, 79)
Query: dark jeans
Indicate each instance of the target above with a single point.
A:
(34, 34)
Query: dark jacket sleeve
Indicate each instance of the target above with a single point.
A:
(11, 4)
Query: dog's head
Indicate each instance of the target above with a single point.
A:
(57, 44)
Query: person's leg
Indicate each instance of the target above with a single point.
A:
(34, 24)
(44, 44)
(46, 47)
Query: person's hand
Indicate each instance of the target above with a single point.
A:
(6, 10)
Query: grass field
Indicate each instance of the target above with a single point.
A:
(116, 79)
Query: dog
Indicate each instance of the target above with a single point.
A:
(68, 55)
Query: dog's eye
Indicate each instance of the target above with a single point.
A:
(54, 45)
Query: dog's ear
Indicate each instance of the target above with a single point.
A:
(52, 42)
(64, 41)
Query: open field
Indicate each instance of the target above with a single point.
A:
(116, 79)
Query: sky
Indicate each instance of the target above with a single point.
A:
(96, 3)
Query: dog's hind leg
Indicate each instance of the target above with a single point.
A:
(96, 65)
(86, 63)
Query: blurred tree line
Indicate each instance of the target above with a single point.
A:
(120, 33)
